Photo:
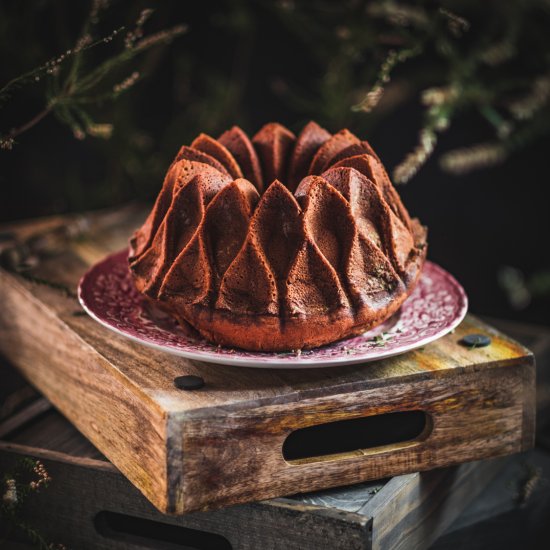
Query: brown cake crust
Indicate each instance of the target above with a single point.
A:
(251, 261)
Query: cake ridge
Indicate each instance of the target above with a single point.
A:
(314, 245)
(218, 151)
(308, 142)
(240, 146)
(363, 194)
(329, 149)
(182, 220)
(179, 173)
(273, 143)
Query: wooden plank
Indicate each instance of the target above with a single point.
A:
(85, 490)
(39, 406)
(423, 508)
(537, 337)
(15, 393)
(511, 513)
(513, 510)
(222, 445)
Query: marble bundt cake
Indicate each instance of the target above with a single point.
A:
(279, 242)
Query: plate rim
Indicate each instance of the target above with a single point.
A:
(272, 363)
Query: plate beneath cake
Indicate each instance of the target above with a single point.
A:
(436, 306)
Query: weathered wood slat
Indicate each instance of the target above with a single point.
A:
(507, 516)
(87, 492)
(223, 444)
(39, 406)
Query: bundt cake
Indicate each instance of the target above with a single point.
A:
(278, 242)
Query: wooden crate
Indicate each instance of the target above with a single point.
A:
(90, 505)
(511, 513)
(224, 444)
(537, 339)
(513, 510)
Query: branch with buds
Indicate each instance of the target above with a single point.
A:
(70, 90)
(27, 477)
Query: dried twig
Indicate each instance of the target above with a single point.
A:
(71, 90)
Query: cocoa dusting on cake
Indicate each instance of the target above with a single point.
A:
(278, 242)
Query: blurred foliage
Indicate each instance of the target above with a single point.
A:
(27, 477)
(350, 63)
(520, 289)
(72, 86)
(490, 57)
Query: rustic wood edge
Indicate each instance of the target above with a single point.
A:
(154, 413)
(24, 289)
(35, 409)
(16, 449)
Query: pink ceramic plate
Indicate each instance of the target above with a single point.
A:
(436, 307)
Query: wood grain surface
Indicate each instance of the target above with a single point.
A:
(223, 444)
(87, 498)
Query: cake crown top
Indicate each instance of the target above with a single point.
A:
(275, 153)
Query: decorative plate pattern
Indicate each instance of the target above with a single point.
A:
(436, 306)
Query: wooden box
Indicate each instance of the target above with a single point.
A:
(89, 505)
(248, 434)
(512, 512)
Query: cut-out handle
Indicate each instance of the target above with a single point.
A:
(155, 534)
(344, 438)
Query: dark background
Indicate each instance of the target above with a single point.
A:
(248, 64)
